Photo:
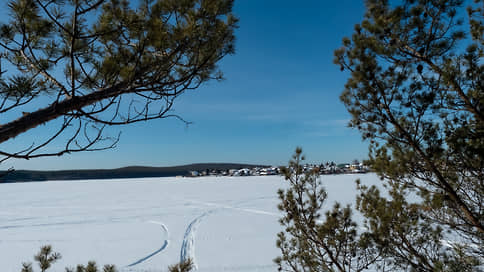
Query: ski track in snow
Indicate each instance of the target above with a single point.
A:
(163, 247)
(221, 206)
(188, 244)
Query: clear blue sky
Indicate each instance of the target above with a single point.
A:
(281, 91)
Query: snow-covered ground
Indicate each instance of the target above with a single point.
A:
(223, 223)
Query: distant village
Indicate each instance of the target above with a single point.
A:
(328, 168)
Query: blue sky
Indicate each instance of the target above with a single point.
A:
(281, 90)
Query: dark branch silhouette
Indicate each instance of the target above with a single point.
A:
(87, 65)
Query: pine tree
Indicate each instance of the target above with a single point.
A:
(416, 94)
(185, 266)
(81, 66)
(46, 258)
(311, 242)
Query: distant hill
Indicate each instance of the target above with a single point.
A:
(125, 172)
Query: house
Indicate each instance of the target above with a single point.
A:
(194, 174)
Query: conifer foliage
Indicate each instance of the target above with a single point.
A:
(311, 241)
(415, 92)
(80, 66)
(47, 257)
(185, 266)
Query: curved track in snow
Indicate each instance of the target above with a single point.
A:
(163, 247)
(188, 245)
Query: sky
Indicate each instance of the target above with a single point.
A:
(281, 90)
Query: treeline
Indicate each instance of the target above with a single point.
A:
(125, 172)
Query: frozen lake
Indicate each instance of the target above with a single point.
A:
(223, 223)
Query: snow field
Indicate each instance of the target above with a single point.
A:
(222, 223)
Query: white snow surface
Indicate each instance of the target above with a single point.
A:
(222, 223)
